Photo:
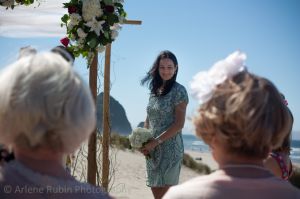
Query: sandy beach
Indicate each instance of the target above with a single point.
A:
(128, 172)
(130, 176)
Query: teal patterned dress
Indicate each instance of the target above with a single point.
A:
(164, 164)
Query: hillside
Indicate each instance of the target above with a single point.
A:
(118, 118)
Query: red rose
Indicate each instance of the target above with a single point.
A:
(110, 9)
(72, 9)
(65, 41)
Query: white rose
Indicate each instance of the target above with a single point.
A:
(81, 33)
(80, 42)
(90, 9)
(70, 26)
(75, 19)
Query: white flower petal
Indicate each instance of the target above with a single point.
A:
(139, 136)
(204, 83)
(81, 33)
(95, 25)
(90, 9)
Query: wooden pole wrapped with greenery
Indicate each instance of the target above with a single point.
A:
(106, 119)
(92, 147)
(92, 25)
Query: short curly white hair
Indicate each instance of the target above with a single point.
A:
(44, 102)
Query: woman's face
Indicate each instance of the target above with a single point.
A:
(166, 69)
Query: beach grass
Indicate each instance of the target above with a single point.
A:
(189, 162)
(119, 141)
(122, 142)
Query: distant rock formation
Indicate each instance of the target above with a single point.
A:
(141, 124)
(118, 119)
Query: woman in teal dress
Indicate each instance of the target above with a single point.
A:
(165, 117)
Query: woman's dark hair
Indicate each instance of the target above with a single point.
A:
(153, 79)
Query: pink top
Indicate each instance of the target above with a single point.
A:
(220, 185)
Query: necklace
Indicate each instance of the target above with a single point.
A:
(160, 91)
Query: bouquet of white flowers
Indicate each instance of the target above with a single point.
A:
(139, 137)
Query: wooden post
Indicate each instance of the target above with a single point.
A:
(92, 164)
(106, 119)
(133, 22)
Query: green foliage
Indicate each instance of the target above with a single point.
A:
(70, 3)
(295, 178)
(108, 2)
(65, 18)
(111, 19)
(28, 2)
(189, 162)
(93, 42)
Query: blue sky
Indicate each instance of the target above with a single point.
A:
(199, 32)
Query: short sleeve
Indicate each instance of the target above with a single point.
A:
(181, 95)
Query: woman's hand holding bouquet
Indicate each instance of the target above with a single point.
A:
(139, 138)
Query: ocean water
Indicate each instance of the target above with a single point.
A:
(191, 142)
(295, 153)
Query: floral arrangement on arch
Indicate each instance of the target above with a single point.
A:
(12, 3)
(91, 25)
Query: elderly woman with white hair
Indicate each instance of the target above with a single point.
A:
(46, 111)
